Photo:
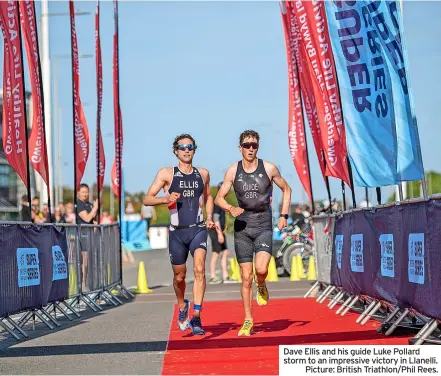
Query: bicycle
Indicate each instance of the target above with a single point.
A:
(295, 240)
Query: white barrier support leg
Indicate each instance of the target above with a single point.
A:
(336, 298)
(346, 302)
(431, 328)
(397, 322)
(345, 311)
(311, 289)
(365, 312)
(323, 293)
(371, 313)
(388, 319)
(327, 294)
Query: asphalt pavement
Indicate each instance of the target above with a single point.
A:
(128, 339)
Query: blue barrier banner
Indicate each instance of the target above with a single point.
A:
(392, 254)
(381, 131)
(28, 273)
(59, 264)
(387, 255)
(30, 257)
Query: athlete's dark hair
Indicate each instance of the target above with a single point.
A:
(248, 133)
(181, 137)
(83, 185)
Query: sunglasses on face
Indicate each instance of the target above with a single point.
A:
(182, 147)
(247, 145)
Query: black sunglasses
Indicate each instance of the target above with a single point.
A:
(247, 145)
(182, 147)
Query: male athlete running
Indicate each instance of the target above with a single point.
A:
(185, 188)
(252, 180)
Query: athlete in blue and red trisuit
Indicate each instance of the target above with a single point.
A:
(186, 188)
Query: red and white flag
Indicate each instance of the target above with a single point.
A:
(296, 134)
(37, 139)
(307, 92)
(81, 133)
(100, 155)
(314, 35)
(14, 106)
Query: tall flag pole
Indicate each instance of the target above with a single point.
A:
(37, 139)
(14, 124)
(80, 130)
(101, 159)
(117, 175)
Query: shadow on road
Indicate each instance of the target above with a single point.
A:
(89, 348)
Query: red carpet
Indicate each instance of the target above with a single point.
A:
(282, 322)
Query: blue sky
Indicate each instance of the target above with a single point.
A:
(212, 69)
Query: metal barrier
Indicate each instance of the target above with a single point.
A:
(90, 278)
(391, 309)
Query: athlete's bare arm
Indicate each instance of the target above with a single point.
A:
(223, 191)
(162, 181)
(274, 175)
(208, 198)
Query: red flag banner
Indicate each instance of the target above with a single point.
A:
(101, 158)
(37, 141)
(314, 35)
(308, 93)
(296, 135)
(116, 167)
(14, 105)
(81, 132)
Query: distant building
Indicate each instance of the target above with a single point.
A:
(11, 186)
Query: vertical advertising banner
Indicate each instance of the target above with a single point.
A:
(296, 134)
(366, 93)
(81, 132)
(100, 155)
(14, 102)
(37, 140)
(381, 133)
(117, 164)
(387, 18)
(314, 36)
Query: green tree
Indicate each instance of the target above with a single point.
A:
(413, 188)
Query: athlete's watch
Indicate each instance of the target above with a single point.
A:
(284, 216)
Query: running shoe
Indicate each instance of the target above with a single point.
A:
(184, 319)
(262, 295)
(246, 329)
(196, 326)
(215, 281)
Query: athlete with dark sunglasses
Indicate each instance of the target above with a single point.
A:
(186, 188)
(252, 179)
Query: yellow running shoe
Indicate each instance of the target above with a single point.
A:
(262, 295)
(246, 328)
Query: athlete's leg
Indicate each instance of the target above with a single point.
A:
(224, 259)
(263, 246)
(198, 249)
(246, 272)
(178, 252)
(199, 285)
(215, 251)
(244, 254)
(213, 260)
(179, 284)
